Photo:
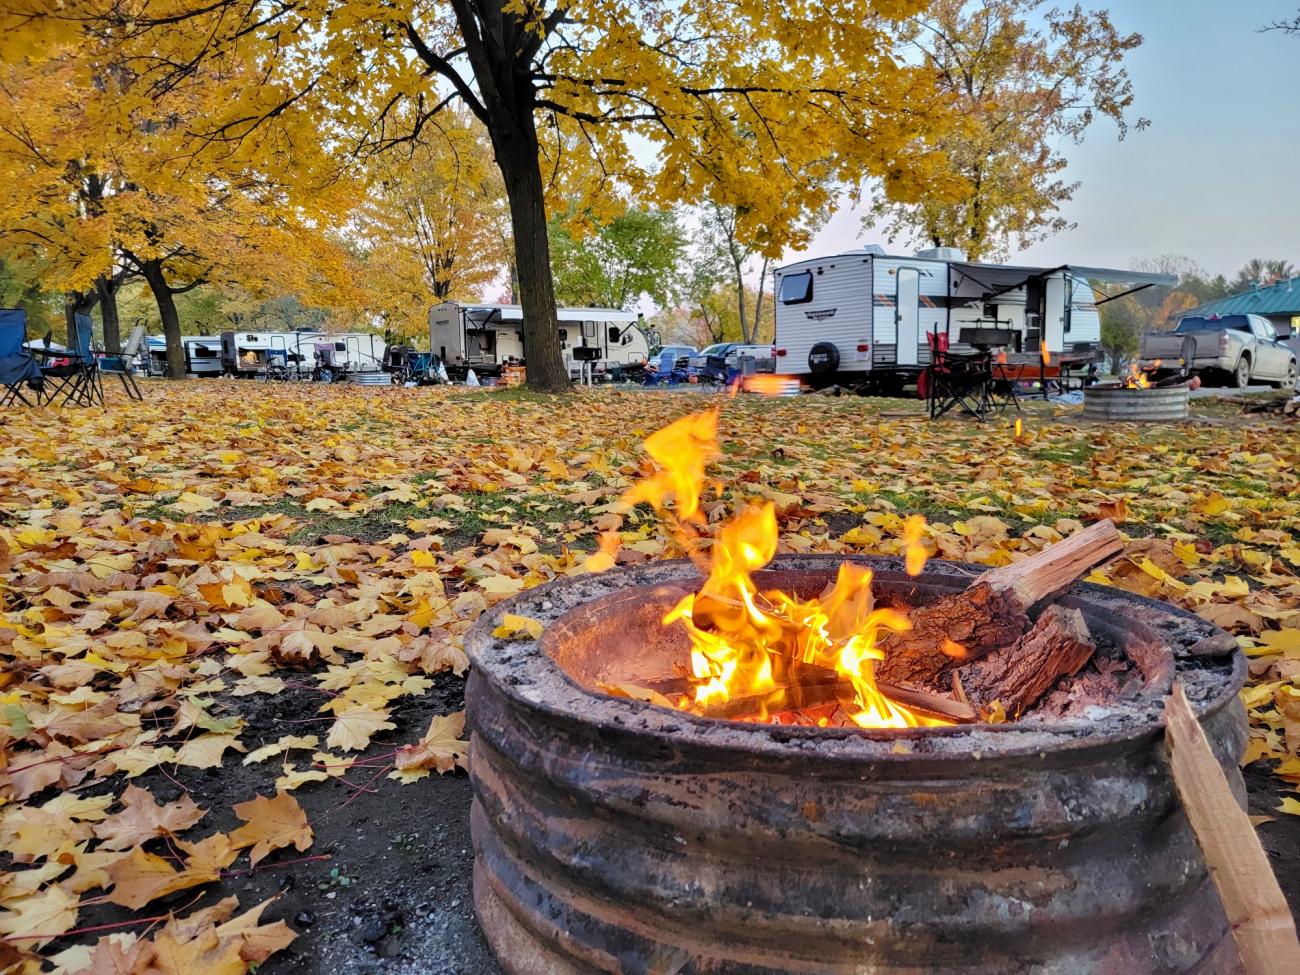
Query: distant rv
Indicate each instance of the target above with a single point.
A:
(867, 317)
(486, 338)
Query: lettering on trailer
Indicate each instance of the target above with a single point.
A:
(887, 301)
(821, 314)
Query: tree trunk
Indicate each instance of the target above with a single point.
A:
(517, 153)
(108, 313)
(75, 303)
(171, 322)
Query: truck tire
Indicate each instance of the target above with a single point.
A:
(1241, 375)
(1188, 355)
(1289, 381)
(823, 359)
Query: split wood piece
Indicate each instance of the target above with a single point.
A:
(1261, 923)
(818, 686)
(993, 611)
(1057, 646)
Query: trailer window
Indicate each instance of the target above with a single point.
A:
(796, 288)
(612, 332)
(588, 330)
(564, 336)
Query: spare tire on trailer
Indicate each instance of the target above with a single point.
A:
(823, 359)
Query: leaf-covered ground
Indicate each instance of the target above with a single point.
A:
(236, 590)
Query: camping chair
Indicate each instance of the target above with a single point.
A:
(123, 366)
(18, 368)
(960, 379)
(78, 379)
(1002, 389)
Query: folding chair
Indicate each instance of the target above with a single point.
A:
(18, 367)
(955, 379)
(1002, 390)
(123, 366)
(78, 378)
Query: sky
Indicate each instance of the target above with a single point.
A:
(1216, 177)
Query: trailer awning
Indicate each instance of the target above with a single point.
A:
(999, 278)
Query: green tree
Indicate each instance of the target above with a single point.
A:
(1261, 273)
(1122, 323)
(637, 253)
(724, 256)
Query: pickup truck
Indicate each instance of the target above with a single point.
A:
(1241, 348)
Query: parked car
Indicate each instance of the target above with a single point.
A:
(718, 349)
(1241, 348)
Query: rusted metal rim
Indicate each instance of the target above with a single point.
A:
(526, 672)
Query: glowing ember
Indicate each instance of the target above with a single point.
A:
(1138, 378)
(747, 643)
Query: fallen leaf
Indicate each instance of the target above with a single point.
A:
(271, 823)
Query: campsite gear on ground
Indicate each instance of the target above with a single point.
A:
(123, 366)
(471, 379)
(18, 367)
(666, 372)
(955, 379)
(78, 379)
(328, 368)
(714, 370)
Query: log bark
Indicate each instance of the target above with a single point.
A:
(994, 611)
(1017, 676)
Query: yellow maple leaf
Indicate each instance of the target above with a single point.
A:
(271, 823)
(515, 627)
(353, 728)
(36, 920)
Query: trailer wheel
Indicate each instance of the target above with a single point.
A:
(823, 359)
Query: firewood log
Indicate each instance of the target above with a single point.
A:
(993, 612)
(1057, 645)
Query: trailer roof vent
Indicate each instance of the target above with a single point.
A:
(875, 250)
(942, 254)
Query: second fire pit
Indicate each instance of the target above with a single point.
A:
(1112, 401)
(613, 835)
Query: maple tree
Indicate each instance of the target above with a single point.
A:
(1023, 80)
(433, 223)
(764, 108)
(122, 186)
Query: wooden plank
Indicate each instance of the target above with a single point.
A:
(1261, 922)
(1053, 570)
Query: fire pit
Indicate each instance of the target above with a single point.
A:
(1116, 401)
(616, 835)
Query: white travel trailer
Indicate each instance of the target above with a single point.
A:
(487, 337)
(867, 316)
(202, 355)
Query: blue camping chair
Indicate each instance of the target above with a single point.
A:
(78, 377)
(667, 373)
(123, 366)
(18, 367)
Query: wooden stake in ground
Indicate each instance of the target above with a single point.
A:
(1261, 922)
(993, 612)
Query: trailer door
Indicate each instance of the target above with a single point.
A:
(1058, 307)
(907, 316)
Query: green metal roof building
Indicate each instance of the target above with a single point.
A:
(1279, 303)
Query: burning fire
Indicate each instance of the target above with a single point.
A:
(749, 643)
(1138, 378)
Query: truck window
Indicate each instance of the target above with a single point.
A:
(796, 288)
(1199, 323)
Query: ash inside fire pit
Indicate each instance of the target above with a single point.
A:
(613, 835)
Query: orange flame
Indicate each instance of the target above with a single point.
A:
(1137, 377)
(746, 642)
(1020, 428)
(1047, 355)
(769, 384)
